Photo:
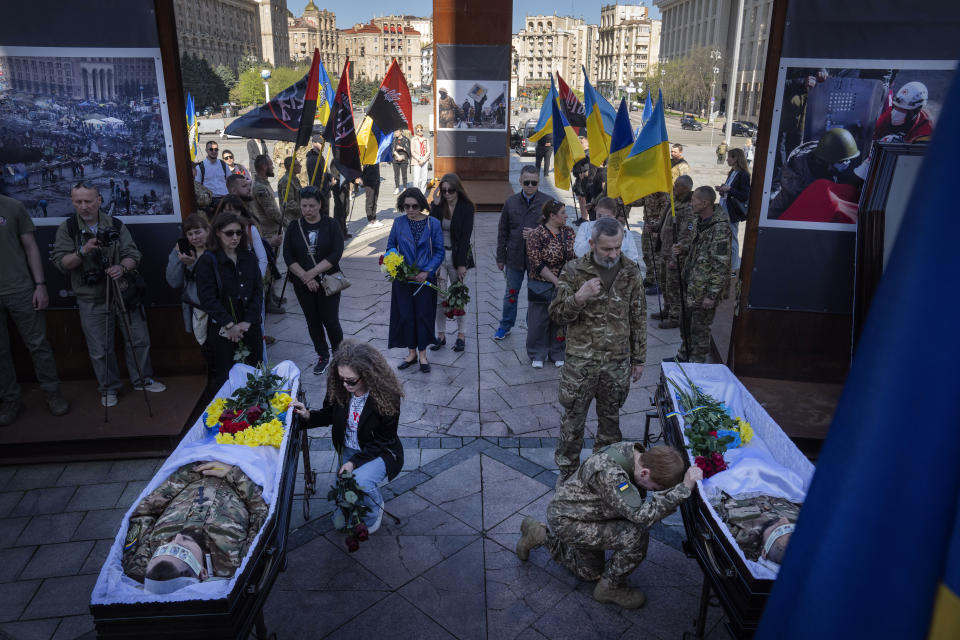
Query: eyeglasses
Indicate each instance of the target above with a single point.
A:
(233, 233)
(411, 207)
(351, 382)
(531, 183)
(214, 149)
(448, 190)
(226, 157)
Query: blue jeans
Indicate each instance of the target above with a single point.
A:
(514, 279)
(368, 477)
(735, 246)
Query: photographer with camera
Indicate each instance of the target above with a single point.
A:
(99, 254)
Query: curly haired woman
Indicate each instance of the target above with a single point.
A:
(363, 405)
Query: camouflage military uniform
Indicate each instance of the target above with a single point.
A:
(264, 208)
(600, 508)
(283, 150)
(706, 274)
(202, 196)
(448, 113)
(655, 207)
(668, 264)
(748, 519)
(604, 337)
(227, 511)
(679, 167)
(290, 208)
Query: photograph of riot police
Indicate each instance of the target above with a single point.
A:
(829, 120)
(98, 253)
(472, 104)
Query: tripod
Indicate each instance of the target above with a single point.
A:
(115, 305)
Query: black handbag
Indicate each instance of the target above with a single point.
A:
(540, 291)
(736, 210)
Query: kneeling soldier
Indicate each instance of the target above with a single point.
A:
(603, 507)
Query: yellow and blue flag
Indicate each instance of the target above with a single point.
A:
(646, 168)
(620, 142)
(325, 95)
(545, 121)
(375, 144)
(647, 110)
(876, 552)
(567, 150)
(601, 117)
(193, 130)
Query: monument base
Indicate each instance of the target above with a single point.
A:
(488, 195)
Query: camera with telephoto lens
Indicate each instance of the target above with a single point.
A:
(106, 236)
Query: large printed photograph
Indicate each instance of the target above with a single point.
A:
(96, 116)
(829, 114)
(480, 105)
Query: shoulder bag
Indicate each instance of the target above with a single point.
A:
(331, 283)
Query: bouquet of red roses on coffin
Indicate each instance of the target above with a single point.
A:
(710, 429)
(254, 415)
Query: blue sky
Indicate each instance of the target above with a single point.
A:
(349, 14)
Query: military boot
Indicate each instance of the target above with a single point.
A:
(669, 324)
(656, 316)
(623, 597)
(534, 534)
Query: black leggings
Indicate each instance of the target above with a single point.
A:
(321, 312)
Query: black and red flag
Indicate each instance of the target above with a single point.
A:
(289, 116)
(391, 108)
(341, 132)
(573, 108)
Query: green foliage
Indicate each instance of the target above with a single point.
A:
(362, 91)
(199, 79)
(704, 415)
(249, 87)
(251, 61)
(259, 389)
(348, 496)
(226, 75)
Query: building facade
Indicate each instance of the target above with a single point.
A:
(219, 31)
(95, 79)
(372, 46)
(426, 65)
(549, 44)
(275, 43)
(629, 46)
(690, 24)
(315, 29)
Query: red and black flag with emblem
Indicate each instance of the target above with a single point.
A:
(289, 116)
(573, 108)
(391, 107)
(341, 132)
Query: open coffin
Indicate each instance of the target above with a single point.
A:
(214, 608)
(769, 465)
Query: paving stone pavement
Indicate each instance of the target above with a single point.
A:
(478, 434)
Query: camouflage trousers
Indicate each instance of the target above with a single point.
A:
(579, 546)
(581, 382)
(698, 323)
(669, 287)
(649, 252)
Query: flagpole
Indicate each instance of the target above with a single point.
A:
(320, 160)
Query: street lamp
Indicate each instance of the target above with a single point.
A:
(265, 75)
(715, 57)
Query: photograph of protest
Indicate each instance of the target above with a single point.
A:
(472, 104)
(831, 112)
(67, 116)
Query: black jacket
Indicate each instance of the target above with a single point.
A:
(371, 175)
(517, 215)
(329, 244)
(461, 229)
(740, 187)
(239, 284)
(376, 433)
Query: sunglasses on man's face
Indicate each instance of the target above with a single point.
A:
(226, 157)
(530, 183)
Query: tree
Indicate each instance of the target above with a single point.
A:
(226, 75)
(199, 79)
(362, 91)
(249, 87)
(251, 61)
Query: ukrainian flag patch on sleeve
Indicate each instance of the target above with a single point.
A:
(623, 486)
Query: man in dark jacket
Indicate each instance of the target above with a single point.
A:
(371, 185)
(521, 213)
(544, 151)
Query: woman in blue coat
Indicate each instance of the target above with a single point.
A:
(419, 239)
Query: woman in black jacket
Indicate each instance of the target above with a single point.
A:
(231, 292)
(454, 209)
(734, 196)
(363, 405)
(312, 247)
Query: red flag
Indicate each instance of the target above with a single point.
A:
(391, 108)
(341, 132)
(573, 108)
(309, 102)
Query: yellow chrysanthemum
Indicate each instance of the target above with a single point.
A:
(266, 434)
(746, 431)
(214, 410)
(280, 401)
(392, 262)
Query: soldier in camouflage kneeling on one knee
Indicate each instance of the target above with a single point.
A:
(604, 507)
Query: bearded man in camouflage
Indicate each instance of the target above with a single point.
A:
(605, 507)
(206, 509)
(600, 300)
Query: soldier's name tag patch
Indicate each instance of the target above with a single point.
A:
(623, 486)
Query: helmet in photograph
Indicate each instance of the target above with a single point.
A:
(836, 145)
(913, 95)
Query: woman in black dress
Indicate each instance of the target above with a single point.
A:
(454, 209)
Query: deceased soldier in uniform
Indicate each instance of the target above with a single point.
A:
(762, 525)
(196, 525)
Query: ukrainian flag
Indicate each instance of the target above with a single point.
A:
(193, 131)
(646, 168)
(567, 150)
(324, 96)
(375, 145)
(647, 110)
(876, 552)
(600, 121)
(620, 143)
(545, 122)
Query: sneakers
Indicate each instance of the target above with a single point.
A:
(376, 224)
(396, 191)
(321, 366)
(558, 364)
(533, 535)
(371, 529)
(8, 412)
(57, 404)
(501, 333)
(537, 364)
(150, 385)
(623, 597)
(108, 399)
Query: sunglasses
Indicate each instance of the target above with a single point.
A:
(233, 233)
(531, 183)
(351, 382)
(411, 207)
(448, 190)
(226, 157)
(214, 149)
